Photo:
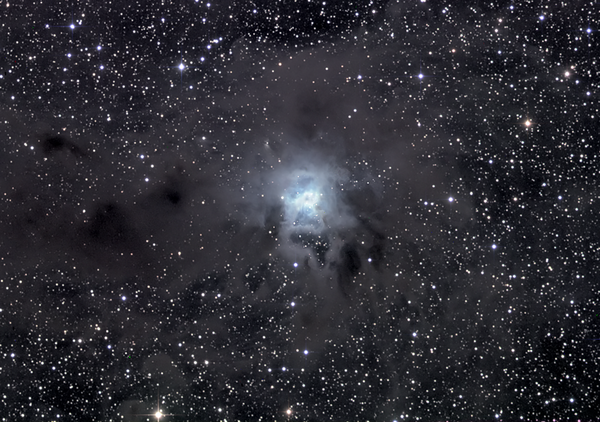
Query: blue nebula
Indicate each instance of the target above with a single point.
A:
(303, 204)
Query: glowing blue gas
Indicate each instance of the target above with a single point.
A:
(313, 199)
(303, 204)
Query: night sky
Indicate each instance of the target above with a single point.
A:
(299, 210)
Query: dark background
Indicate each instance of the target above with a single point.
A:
(161, 246)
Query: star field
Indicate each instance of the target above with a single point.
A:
(299, 210)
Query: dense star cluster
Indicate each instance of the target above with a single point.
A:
(366, 210)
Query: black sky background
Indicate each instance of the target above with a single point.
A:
(154, 255)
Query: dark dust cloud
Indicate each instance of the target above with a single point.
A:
(299, 211)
